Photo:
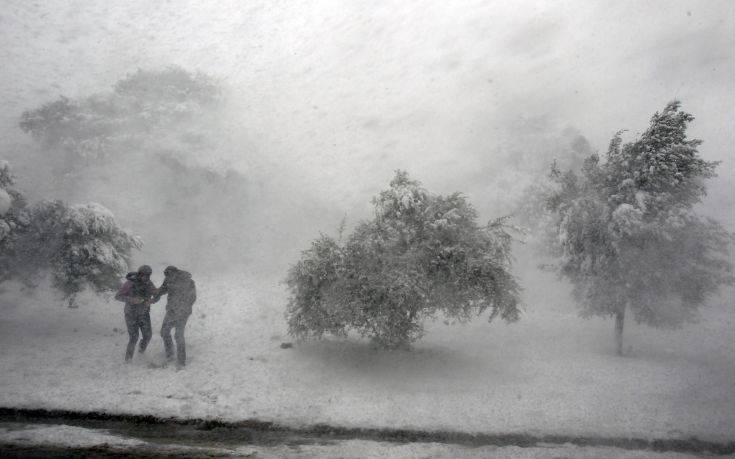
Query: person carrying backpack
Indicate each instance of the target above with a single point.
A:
(137, 293)
(181, 291)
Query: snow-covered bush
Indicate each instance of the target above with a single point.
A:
(421, 256)
(627, 236)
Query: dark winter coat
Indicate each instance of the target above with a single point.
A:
(135, 288)
(181, 291)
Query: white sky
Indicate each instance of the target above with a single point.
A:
(341, 93)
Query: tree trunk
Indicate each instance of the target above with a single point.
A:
(619, 322)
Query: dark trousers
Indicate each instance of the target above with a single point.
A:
(178, 324)
(138, 319)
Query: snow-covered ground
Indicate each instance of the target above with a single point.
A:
(551, 373)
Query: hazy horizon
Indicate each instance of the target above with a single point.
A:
(324, 100)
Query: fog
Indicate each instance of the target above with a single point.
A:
(322, 101)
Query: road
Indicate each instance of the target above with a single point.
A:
(38, 433)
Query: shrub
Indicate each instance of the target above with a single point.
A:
(421, 255)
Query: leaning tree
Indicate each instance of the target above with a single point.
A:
(626, 233)
(421, 256)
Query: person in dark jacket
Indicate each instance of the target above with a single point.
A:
(181, 291)
(137, 293)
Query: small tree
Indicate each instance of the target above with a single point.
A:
(92, 250)
(80, 245)
(627, 236)
(421, 255)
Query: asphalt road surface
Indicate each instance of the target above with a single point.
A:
(39, 433)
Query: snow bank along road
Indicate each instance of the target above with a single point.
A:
(150, 435)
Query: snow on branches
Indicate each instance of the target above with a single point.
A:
(93, 250)
(421, 255)
(81, 245)
(626, 232)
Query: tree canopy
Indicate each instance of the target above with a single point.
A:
(626, 231)
(145, 107)
(422, 255)
(80, 246)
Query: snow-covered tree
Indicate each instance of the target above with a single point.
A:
(81, 245)
(93, 251)
(626, 232)
(422, 255)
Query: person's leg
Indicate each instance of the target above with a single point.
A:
(180, 341)
(131, 321)
(168, 343)
(144, 318)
